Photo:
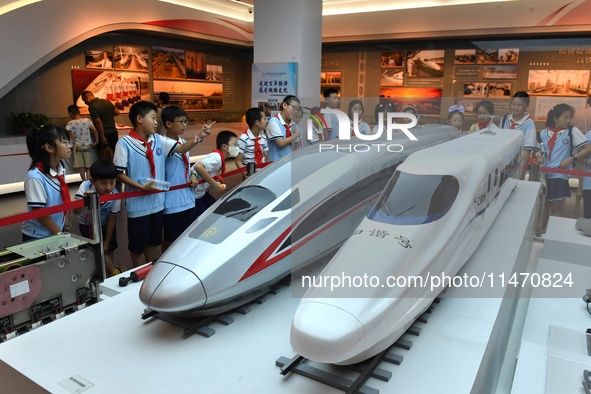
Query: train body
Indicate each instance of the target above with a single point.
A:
(428, 221)
(292, 212)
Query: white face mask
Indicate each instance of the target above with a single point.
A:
(234, 151)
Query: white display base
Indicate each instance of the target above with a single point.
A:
(561, 308)
(111, 288)
(460, 350)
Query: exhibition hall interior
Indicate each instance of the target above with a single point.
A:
(315, 196)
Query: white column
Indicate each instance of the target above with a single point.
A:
(291, 31)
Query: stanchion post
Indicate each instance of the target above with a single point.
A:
(91, 201)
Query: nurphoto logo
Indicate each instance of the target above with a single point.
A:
(410, 120)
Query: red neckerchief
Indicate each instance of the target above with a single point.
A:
(287, 127)
(552, 141)
(484, 126)
(512, 123)
(220, 177)
(149, 152)
(64, 191)
(258, 151)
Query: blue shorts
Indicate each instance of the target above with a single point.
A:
(558, 189)
(85, 232)
(176, 223)
(144, 231)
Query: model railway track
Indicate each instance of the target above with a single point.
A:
(339, 378)
(201, 325)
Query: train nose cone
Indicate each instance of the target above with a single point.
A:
(326, 333)
(169, 288)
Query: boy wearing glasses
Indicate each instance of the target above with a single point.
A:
(179, 205)
(281, 130)
(140, 159)
(211, 169)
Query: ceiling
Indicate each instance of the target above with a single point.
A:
(236, 8)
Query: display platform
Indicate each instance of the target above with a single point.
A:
(562, 310)
(108, 348)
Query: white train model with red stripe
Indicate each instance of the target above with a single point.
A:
(429, 220)
(290, 213)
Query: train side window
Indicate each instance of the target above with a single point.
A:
(496, 176)
(288, 201)
(488, 190)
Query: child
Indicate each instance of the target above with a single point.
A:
(45, 185)
(179, 205)
(558, 141)
(356, 107)
(519, 119)
(485, 111)
(103, 175)
(382, 108)
(83, 142)
(455, 117)
(140, 160)
(253, 143)
(279, 133)
(212, 166)
(332, 101)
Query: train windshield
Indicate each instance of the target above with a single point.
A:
(245, 202)
(415, 199)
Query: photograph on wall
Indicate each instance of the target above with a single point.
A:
(168, 63)
(558, 82)
(331, 78)
(392, 77)
(393, 59)
(214, 73)
(192, 96)
(465, 56)
(425, 63)
(543, 105)
(509, 55)
(427, 101)
(475, 89)
(486, 56)
(98, 59)
(121, 88)
(500, 90)
(131, 58)
(196, 65)
(498, 72)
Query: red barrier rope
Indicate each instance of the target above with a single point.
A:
(37, 213)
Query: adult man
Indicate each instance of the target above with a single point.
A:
(279, 129)
(331, 98)
(102, 113)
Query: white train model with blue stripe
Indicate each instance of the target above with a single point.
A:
(290, 213)
(429, 220)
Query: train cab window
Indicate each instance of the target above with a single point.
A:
(411, 199)
(245, 202)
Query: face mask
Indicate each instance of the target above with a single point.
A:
(234, 151)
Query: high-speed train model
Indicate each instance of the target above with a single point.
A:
(429, 220)
(292, 212)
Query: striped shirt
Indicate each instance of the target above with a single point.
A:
(246, 146)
